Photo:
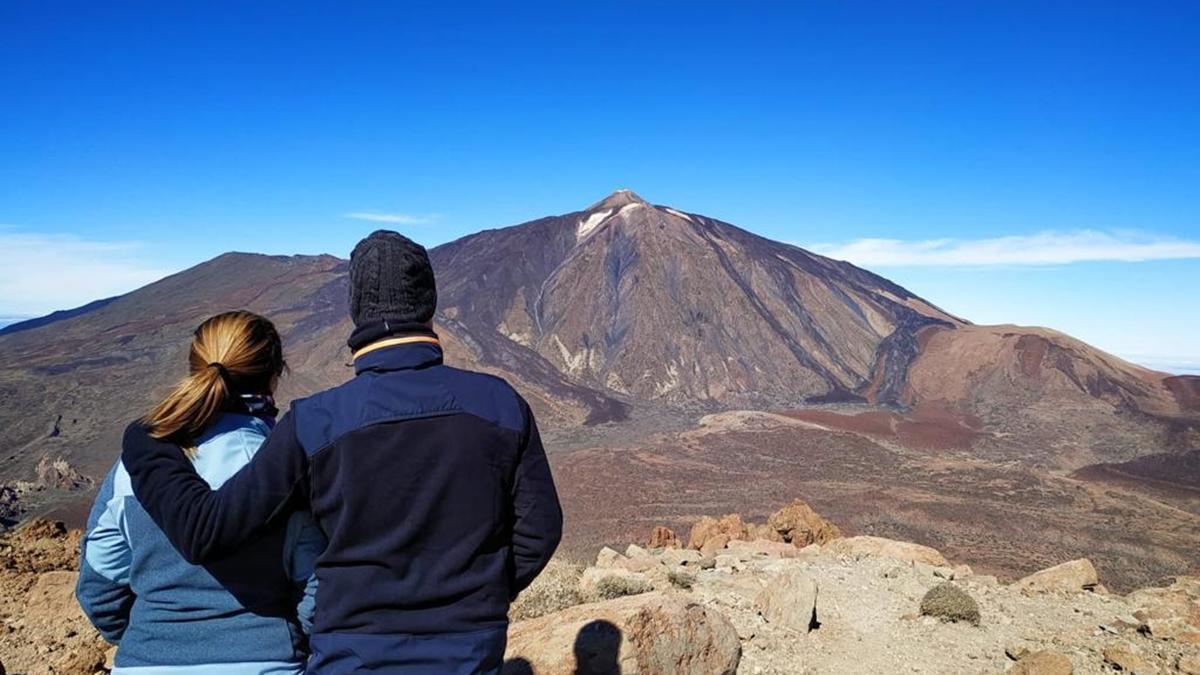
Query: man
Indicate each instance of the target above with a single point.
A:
(430, 483)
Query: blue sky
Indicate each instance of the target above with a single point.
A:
(1023, 162)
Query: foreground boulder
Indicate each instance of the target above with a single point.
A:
(652, 633)
(762, 548)
(857, 547)
(1069, 577)
(789, 600)
(798, 525)
(1125, 660)
(1043, 663)
(1171, 613)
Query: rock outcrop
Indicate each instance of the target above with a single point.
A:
(789, 600)
(795, 524)
(651, 633)
(860, 547)
(1044, 662)
(58, 474)
(1070, 577)
(712, 534)
(868, 604)
(1171, 613)
(42, 629)
(799, 525)
(664, 537)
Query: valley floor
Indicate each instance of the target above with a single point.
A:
(1003, 518)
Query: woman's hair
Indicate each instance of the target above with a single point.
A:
(232, 354)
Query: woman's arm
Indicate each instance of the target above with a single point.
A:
(206, 524)
(305, 543)
(103, 590)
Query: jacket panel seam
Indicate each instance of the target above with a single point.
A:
(406, 418)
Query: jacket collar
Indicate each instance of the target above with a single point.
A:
(399, 352)
(400, 357)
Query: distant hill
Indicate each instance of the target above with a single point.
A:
(9, 320)
(17, 324)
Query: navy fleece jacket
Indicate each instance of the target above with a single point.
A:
(430, 483)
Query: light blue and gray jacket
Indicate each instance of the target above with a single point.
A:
(247, 614)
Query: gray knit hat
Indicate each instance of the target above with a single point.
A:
(391, 280)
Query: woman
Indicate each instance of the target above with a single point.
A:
(248, 614)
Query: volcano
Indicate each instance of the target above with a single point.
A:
(615, 318)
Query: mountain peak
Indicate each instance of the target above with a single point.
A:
(616, 200)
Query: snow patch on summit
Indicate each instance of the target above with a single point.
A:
(680, 214)
(591, 222)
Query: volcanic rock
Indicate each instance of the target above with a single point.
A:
(1170, 613)
(886, 548)
(664, 537)
(651, 633)
(57, 474)
(800, 526)
(789, 599)
(1043, 662)
(709, 529)
(1069, 577)
(1189, 664)
(41, 546)
(1125, 660)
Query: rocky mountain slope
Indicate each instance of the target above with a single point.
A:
(786, 596)
(659, 304)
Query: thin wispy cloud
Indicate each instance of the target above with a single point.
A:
(392, 218)
(1179, 365)
(40, 273)
(1042, 248)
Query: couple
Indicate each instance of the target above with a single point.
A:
(383, 525)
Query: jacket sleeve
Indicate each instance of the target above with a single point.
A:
(205, 524)
(103, 589)
(537, 526)
(306, 542)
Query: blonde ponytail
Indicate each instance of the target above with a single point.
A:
(231, 354)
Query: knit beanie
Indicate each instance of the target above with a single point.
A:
(391, 281)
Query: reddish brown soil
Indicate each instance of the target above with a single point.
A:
(1031, 350)
(928, 427)
(1171, 478)
(1186, 389)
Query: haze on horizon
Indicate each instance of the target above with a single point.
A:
(1014, 164)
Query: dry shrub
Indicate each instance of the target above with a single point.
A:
(610, 588)
(556, 588)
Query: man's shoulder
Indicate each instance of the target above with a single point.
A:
(478, 378)
(367, 400)
(486, 396)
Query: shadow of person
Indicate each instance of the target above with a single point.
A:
(517, 666)
(597, 649)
